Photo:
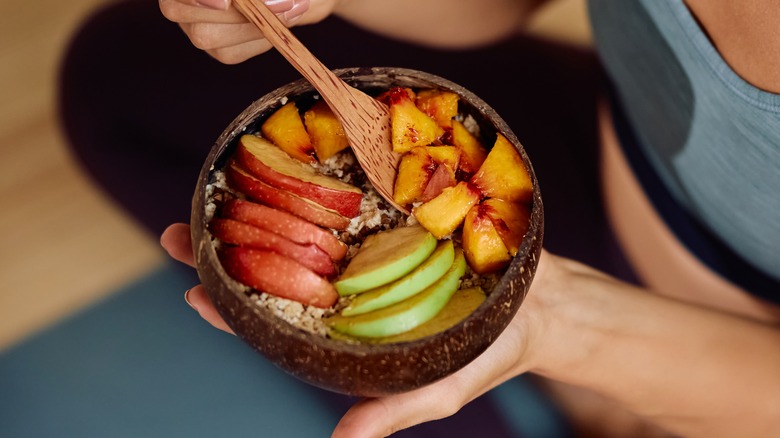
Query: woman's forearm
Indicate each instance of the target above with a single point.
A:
(440, 23)
(691, 370)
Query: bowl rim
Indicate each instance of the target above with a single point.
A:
(526, 258)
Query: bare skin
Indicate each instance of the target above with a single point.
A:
(747, 35)
(691, 353)
(227, 36)
(583, 328)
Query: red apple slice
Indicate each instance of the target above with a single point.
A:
(285, 224)
(242, 234)
(272, 165)
(252, 187)
(278, 275)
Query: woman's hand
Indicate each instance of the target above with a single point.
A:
(177, 241)
(218, 28)
(512, 354)
(516, 351)
(506, 358)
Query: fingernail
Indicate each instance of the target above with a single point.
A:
(187, 299)
(296, 12)
(279, 6)
(214, 4)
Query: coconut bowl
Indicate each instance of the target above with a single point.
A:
(355, 368)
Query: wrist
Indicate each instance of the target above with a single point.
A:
(559, 315)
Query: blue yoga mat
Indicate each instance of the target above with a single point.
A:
(143, 364)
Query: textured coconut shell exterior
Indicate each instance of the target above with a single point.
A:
(362, 369)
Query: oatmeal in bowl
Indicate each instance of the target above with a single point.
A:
(313, 269)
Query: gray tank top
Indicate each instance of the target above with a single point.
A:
(712, 138)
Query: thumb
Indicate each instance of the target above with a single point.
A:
(379, 417)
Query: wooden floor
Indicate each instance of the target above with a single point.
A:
(63, 245)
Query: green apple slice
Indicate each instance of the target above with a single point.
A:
(385, 257)
(462, 304)
(424, 275)
(407, 314)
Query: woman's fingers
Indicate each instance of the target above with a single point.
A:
(212, 36)
(223, 32)
(225, 46)
(198, 300)
(227, 43)
(213, 4)
(380, 417)
(240, 53)
(189, 12)
(177, 241)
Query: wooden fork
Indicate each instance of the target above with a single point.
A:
(366, 121)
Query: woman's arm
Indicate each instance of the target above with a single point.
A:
(221, 31)
(440, 23)
(690, 370)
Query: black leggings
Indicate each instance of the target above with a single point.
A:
(141, 107)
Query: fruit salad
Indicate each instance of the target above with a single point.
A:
(296, 222)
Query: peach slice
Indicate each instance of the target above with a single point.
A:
(410, 126)
(484, 249)
(242, 234)
(270, 164)
(414, 172)
(389, 96)
(441, 105)
(278, 275)
(444, 214)
(285, 129)
(447, 158)
(509, 219)
(473, 153)
(449, 155)
(256, 189)
(326, 133)
(285, 224)
(442, 178)
(503, 174)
